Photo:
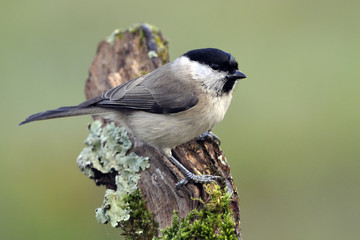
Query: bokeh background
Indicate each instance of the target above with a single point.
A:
(291, 135)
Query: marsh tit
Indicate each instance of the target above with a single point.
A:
(169, 106)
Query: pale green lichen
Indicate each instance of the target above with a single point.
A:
(107, 152)
(152, 54)
(113, 35)
(114, 209)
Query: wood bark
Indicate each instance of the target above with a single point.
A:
(123, 59)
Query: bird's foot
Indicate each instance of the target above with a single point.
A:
(190, 177)
(210, 137)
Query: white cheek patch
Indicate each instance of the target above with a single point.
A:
(214, 81)
(211, 79)
(200, 71)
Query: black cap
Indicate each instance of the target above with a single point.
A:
(215, 58)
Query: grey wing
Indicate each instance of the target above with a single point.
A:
(148, 94)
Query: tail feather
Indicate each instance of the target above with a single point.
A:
(64, 112)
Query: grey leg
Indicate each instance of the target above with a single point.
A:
(190, 177)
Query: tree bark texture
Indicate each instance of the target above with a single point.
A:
(123, 58)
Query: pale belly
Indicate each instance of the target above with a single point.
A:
(171, 130)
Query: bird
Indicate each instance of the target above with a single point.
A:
(169, 106)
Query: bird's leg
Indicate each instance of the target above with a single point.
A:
(209, 136)
(189, 176)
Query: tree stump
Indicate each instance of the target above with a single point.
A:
(132, 53)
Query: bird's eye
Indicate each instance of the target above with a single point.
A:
(215, 66)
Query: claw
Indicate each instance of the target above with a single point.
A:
(190, 177)
(209, 136)
(196, 179)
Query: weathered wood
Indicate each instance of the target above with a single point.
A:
(125, 58)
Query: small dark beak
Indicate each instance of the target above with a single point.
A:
(236, 75)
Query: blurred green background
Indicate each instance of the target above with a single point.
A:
(291, 135)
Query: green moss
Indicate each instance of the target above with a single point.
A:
(162, 44)
(143, 73)
(133, 29)
(107, 153)
(141, 36)
(213, 221)
(141, 224)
